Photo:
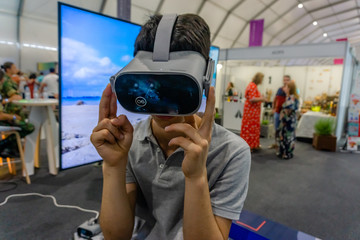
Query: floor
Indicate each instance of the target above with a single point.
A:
(316, 192)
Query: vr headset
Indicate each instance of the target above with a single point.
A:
(163, 82)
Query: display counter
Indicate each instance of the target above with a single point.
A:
(233, 113)
(305, 128)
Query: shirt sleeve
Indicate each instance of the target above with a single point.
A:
(8, 90)
(130, 177)
(230, 190)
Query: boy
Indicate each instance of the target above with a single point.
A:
(186, 177)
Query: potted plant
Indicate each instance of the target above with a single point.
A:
(323, 136)
(266, 129)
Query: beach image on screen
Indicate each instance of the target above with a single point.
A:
(93, 48)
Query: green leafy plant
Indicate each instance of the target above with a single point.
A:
(324, 126)
(265, 122)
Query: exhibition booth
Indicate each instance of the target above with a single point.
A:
(323, 75)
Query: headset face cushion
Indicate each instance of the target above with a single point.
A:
(156, 93)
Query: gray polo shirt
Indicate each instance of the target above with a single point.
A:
(161, 184)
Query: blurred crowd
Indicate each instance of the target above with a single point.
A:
(15, 86)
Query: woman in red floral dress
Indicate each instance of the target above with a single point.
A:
(250, 126)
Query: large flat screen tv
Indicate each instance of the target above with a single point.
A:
(214, 54)
(92, 47)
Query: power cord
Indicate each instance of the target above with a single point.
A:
(54, 200)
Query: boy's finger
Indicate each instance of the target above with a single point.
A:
(104, 106)
(113, 106)
(208, 118)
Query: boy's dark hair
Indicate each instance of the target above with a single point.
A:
(52, 70)
(190, 33)
(7, 65)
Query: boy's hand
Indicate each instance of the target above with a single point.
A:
(112, 137)
(197, 141)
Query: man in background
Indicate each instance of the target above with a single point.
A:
(40, 78)
(51, 81)
(279, 99)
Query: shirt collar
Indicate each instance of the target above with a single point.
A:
(145, 132)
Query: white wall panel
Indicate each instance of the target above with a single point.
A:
(31, 56)
(277, 26)
(347, 15)
(8, 53)
(350, 22)
(332, 27)
(294, 14)
(48, 8)
(140, 15)
(314, 4)
(323, 13)
(249, 9)
(224, 42)
(228, 4)
(111, 8)
(268, 16)
(244, 38)
(9, 6)
(8, 27)
(345, 6)
(281, 6)
(180, 7)
(38, 32)
(148, 4)
(208, 13)
(232, 26)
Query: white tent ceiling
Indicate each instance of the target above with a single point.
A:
(285, 23)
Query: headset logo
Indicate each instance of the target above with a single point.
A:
(140, 101)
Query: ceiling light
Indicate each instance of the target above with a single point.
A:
(300, 5)
(325, 35)
(219, 66)
(314, 23)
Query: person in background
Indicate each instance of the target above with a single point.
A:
(9, 91)
(8, 146)
(10, 70)
(51, 82)
(250, 126)
(230, 90)
(40, 78)
(176, 171)
(23, 80)
(279, 99)
(287, 126)
(31, 84)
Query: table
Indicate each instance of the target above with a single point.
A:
(305, 128)
(233, 113)
(41, 112)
